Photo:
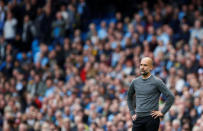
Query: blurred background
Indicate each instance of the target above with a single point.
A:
(67, 64)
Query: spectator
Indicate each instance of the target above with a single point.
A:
(28, 34)
(3, 16)
(10, 27)
(196, 32)
(58, 26)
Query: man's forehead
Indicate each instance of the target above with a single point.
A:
(147, 61)
(144, 62)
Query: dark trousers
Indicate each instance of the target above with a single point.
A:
(147, 123)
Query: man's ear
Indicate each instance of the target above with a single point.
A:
(151, 67)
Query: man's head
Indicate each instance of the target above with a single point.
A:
(146, 66)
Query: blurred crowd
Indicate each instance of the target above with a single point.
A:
(57, 75)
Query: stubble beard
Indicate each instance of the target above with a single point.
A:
(144, 73)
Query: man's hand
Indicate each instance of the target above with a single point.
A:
(134, 117)
(156, 114)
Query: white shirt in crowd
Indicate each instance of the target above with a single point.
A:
(9, 29)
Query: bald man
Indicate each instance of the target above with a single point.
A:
(145, 91)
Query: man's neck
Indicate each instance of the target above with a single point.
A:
(147, 76)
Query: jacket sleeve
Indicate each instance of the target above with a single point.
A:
(130, 97)
(166, 92)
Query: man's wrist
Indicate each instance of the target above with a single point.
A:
(162, 114)
(132, 112)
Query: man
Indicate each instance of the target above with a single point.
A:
(147, 89)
